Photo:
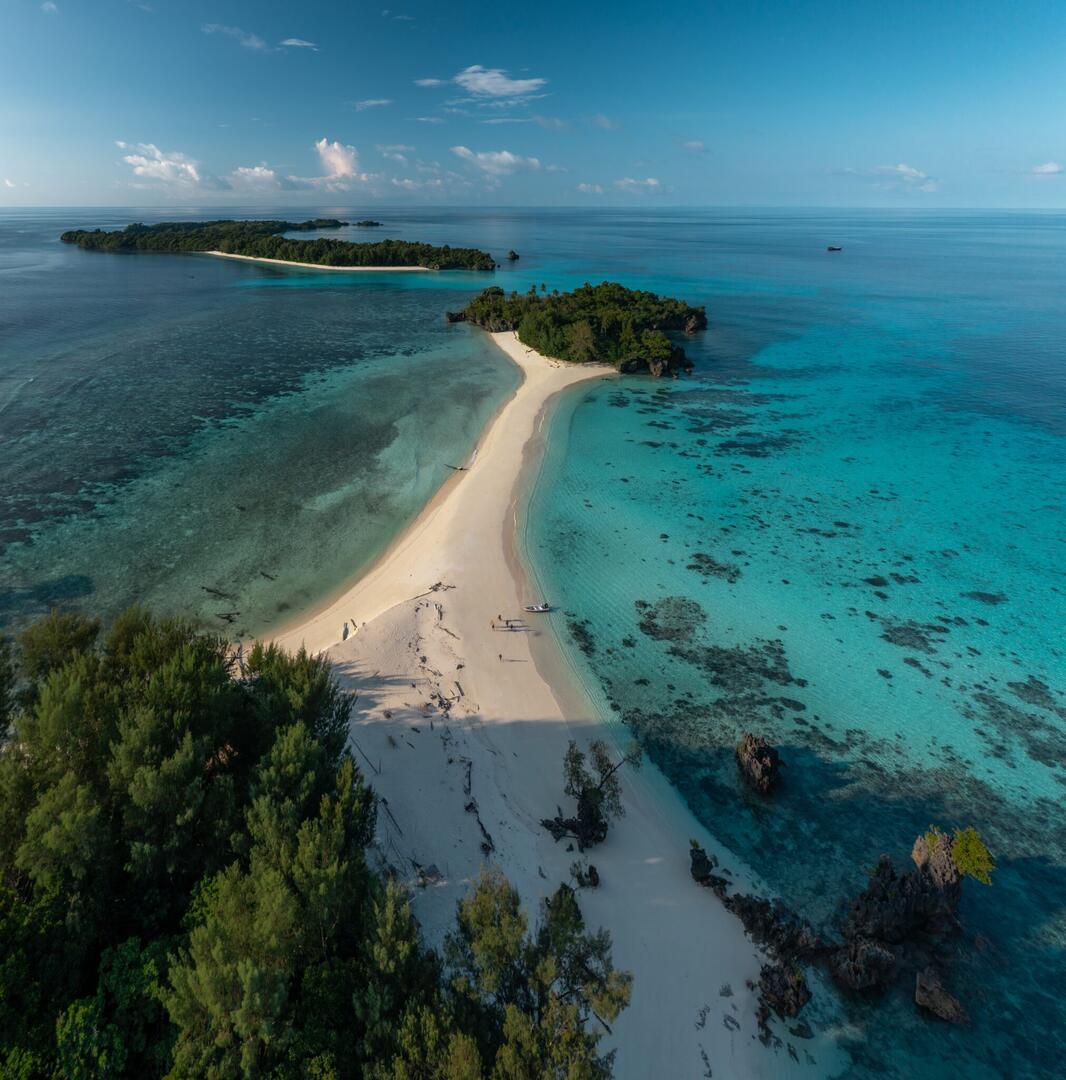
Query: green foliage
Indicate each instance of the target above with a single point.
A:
(541, 1000)
(263, 240)
(971, 855)
(604, 323)
(184, 888)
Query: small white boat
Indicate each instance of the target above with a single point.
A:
(538, 609)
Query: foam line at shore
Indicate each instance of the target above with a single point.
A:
(463, 737)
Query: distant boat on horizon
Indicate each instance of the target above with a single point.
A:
(831, 247)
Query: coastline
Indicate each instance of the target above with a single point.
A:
(461, 730)
(319, 266)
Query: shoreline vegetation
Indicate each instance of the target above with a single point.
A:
(264, 240)
(603, 324)
(187, 886)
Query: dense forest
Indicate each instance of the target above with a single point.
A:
(187, 887)
(263, 240)
(605, 323)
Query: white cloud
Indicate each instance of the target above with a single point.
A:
(1049, 168)
(395, 152)
(372, 103)
(339, 162)
(255, 178)
(697, 146)
(49, 8)
(151, 163)
(907, 177)
(604, 122)
(590, 189)
(551, 123)
(430, 119)
(495, 83)
(507, 120)
(429, 82)
(299, 43)
(244, 37)
(8, 183)
(496, 162)
(648, 186)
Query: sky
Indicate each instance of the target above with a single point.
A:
(584, 102)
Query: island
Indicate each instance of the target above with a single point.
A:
(605, 323)
(367, 223)
(264, 240)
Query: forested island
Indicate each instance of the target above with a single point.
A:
(187, 887)
(605, 323)
(263, 240)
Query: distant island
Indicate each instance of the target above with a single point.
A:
(366, 223)
(605, 323)
(263, 240)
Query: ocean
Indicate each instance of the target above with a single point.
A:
(844, 531)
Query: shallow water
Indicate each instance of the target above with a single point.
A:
(848, 524)
(184, 431)
(845, 531)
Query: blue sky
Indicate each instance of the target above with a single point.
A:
(156, 102)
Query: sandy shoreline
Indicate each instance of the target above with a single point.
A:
(319, 266)
(462, 735)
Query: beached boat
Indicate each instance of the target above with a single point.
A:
(538, 609)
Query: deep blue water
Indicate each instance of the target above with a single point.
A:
(848, 522)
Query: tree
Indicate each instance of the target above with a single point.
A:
(544, 999)
(971, 856)
(50, 642)
(597, 792)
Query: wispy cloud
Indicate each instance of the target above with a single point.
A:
(430, 119)
(8, 183)
(1049, 168)
(696, 146)
(170, 168)
(430, 82)
(243, 37)
(647, 186)
(258, 179)
(372, 103)
(495, 83)
(396, 152)
(907, 176)
(590, 189)
(49, 8)
(386, 13)
(496, 162)
(298, 43)
(604, 122)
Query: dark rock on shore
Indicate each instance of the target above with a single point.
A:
(783, 990)
(455, 316)
(929, 994)
(759, 762)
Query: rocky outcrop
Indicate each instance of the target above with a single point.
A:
(672, 365)
(783, 990)
(894, 927)
(862, 965)
(929, 994)
(512, 255)
(759, 762)
(455, 316)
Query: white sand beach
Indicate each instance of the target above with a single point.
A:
(319, 266)
(462, 729)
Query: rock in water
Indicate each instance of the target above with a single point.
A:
(929, 994)
(783, 989)
(759, 762)
(863, 964)
(512, 255)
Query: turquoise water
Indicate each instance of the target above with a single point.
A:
(847, 526)
(222, 440)
(846, 531)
